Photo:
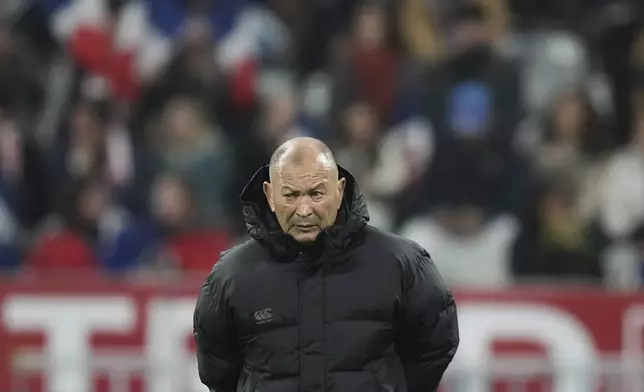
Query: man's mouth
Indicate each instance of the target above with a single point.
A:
(305, 227)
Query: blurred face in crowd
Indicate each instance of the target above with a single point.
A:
(170, 201)
(360, 122)
(370, 26)
(92, 202)
(198, 60)
(557, 207)
(86, 128)
(198, 33)
(304, 192)
(560, 220)
(281, 113)
(569, 117)
(469, 220)
(182, 122)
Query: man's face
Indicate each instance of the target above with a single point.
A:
(305, 197)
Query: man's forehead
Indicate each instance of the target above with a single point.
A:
(318, 166)
(304, 159)
(316, 173)
(303, 186)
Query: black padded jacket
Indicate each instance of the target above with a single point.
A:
(359, 311)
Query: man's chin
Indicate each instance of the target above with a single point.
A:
(305, 237)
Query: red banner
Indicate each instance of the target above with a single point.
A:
(99, 335)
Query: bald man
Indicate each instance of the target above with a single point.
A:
(317, 300)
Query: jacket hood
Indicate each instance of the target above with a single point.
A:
(262, 225)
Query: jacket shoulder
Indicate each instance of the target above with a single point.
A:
(236, 259)
(413, 261)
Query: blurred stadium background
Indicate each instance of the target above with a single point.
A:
(505, 136)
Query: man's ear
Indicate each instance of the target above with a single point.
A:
(341, 185)
(268, 191)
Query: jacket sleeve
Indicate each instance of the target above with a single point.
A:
(218, 355)
(427, 328)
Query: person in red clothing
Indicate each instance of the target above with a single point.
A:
(176, 242)
(65, 243)
(370, 55)
(90, 233)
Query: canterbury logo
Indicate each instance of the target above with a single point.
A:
(264, 316)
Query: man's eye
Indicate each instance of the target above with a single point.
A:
(316, 194)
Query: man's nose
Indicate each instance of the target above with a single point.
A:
(304, 209)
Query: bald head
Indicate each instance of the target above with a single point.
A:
(304, 190)
(299, 151)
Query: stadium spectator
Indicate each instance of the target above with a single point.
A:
(21, 82)
(187, 143)
(574, 142)
(474, 90)
(84, 234)
(173, 239)
(622, 210)
(616, 26)
(369, 55)
(23, 178)
(81, 148)
(473, 103)
(10, 239)
(471, 250)
(556, 243)
(360, 155)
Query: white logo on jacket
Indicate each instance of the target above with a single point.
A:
(264, 316)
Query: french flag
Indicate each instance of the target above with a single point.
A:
(134, 46)
(101, 44)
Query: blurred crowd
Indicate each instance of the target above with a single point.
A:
(505, 136)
